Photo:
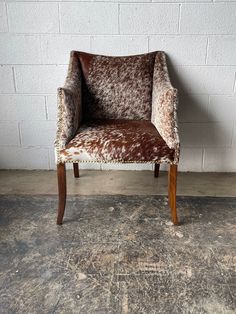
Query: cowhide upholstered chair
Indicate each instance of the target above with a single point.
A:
(117, 109)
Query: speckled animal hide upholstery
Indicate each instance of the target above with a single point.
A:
(117, 109)
(69, 104)
(118, 140)
(164, 105)
(118, 87)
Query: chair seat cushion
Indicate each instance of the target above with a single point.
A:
(117, 141)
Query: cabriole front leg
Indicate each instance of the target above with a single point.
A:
(61, 177)
(172, 184)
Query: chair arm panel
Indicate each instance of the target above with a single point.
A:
(164, 105)
(69, 104)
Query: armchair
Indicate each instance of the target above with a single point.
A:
(117, 109)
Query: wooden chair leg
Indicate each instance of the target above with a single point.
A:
(172, 184)
(76, 169)
(156, 170)
(61, 177)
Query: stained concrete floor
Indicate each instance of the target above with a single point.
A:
(117, 253)
(95, 182)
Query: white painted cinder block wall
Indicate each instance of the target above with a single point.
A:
(199, 37)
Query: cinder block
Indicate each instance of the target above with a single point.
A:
(40, 79)
(193, 108)
(24, 158)
(180, 1)
(129, 166)
(208, 18)
(3, 18)
(183, 50)
(219, 159)
(221, 50)
(29, 17)
(149, 18)
(22, 107)
(51, 103)
(89, 18)
(104, 1)
(90, 166)
(119, 45)
(204, 79)
(9, 133)
(222, 108)
(38, 133)
(52, 160)
(191, 159)
(20, 49)
(212, 134)
(56, 48)
(234, 136)
(6, 80)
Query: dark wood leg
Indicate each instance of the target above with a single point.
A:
(76, 169)
(172, 183)
(156, 170)
(61, 177)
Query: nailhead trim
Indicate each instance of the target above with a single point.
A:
(159, 161)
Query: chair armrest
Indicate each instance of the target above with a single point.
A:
(164, 104)
(69, 104)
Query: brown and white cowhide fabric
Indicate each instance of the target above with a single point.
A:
(164, 105)
(117, 87)
(118, 140)
(128, 91)
(69, 104)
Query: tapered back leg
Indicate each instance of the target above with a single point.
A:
(76, 169)
(61, 177)
(156, 170)
(172, 184)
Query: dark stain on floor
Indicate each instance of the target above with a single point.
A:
(117, 254)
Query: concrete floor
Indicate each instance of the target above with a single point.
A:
(96, 182)
(117, 253)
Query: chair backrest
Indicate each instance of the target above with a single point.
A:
(117, 87)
